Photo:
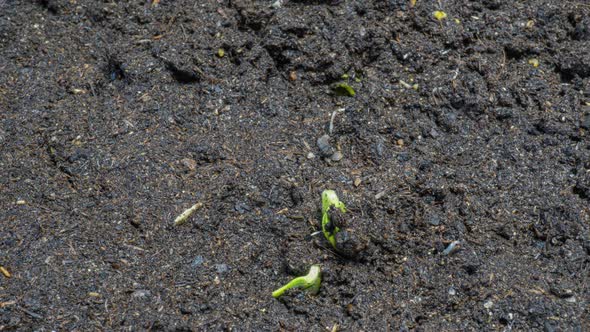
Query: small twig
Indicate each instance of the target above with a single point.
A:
(331, 127)
(191, 283)
(30, 313)
(381, 193)
(134, 247)
(296, 217)
(6, 304)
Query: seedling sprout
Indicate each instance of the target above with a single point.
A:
(329, 199)
(311, 282)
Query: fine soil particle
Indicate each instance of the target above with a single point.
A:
(116, 116)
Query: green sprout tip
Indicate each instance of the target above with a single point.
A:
(310, 282)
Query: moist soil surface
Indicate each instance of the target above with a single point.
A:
(116, 116)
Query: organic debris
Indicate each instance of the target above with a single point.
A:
(5, 272)
(181, 219)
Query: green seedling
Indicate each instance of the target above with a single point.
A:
(329, 199)
(343, 89)
(311, 282)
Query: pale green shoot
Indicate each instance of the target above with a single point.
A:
(310, 282)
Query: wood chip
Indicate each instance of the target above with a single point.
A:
(6, 304)
(357, 182)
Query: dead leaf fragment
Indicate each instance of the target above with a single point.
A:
(357, 182)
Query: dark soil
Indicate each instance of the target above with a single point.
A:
(116, 116)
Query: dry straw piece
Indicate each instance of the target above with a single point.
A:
(181, 219)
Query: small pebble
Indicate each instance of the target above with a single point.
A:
(337, 156)
(453, 247)
(452, 291)
(141, 294)
(434, 133)
(277, 4)
(586, 122)
(403, 157)
(548, 327)
(357, 182)
(189, 163)
(198, 261)
(221, 268)
(310, 155)
(379, 147)
(326, 150)
(503, 113)
(433, 219)
(489, 304)
(242, 207)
